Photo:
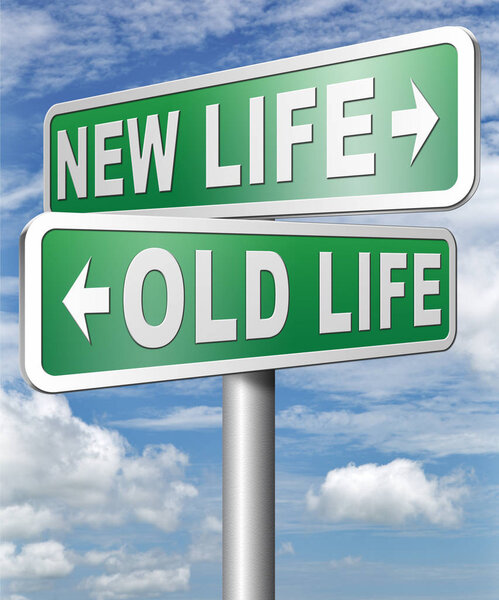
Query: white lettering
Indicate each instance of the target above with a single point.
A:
(217, 176)
(153, 336)
(339, 127)
(330, 322)
(141, 161)
(257, 140)
(209, 329)
(103, 157)
(256, 262)
(390, 289)
(425, 316)
(66, 158)
(364, 291)
(288, 134)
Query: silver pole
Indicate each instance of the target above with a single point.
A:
(249, 486)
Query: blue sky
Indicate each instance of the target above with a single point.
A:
(116, 494)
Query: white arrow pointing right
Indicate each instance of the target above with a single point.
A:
(418, 121)
(81, 300)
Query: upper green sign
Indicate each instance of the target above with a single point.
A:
(116, 299)
(390, 125)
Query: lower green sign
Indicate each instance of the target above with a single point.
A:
(115, 300)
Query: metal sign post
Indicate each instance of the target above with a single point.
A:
(249, 486)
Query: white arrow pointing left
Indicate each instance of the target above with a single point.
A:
(418, 121)
(81, 300)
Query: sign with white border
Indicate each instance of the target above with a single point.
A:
(384, 126)
(111, 300)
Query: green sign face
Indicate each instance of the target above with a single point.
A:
(112, 300)
(384, 126)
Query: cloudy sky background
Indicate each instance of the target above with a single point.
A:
(387, 470)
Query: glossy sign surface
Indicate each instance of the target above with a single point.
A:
(384, 126)
(111, 300)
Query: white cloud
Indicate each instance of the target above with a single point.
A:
(479, 307)
(207, 541)
(23, 521)
(438, 425)
(490, 137)
(475, 223)
(46, 452)
(135, 574)
(121, 560)
(298, 26)
(151, 486)
(9, 285)
(9, 353)
(285, 548)
(138, 583)
(18, 188)
(48, 48)
(40, 560)
(394, 494)
(196, 387)
(101, 557)
(86, 473)
(178, 418)
(379, 379)
(129, 575)
(39, 30)
(62, 43)
(490, 89)
(212, 525)
(345, 562)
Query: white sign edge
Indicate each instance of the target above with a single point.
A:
(30, 346)
(468, 51)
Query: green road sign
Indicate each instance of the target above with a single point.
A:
(120, 299)
(390, 125)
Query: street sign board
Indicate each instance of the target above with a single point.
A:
(119, 299)
(383, 126)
